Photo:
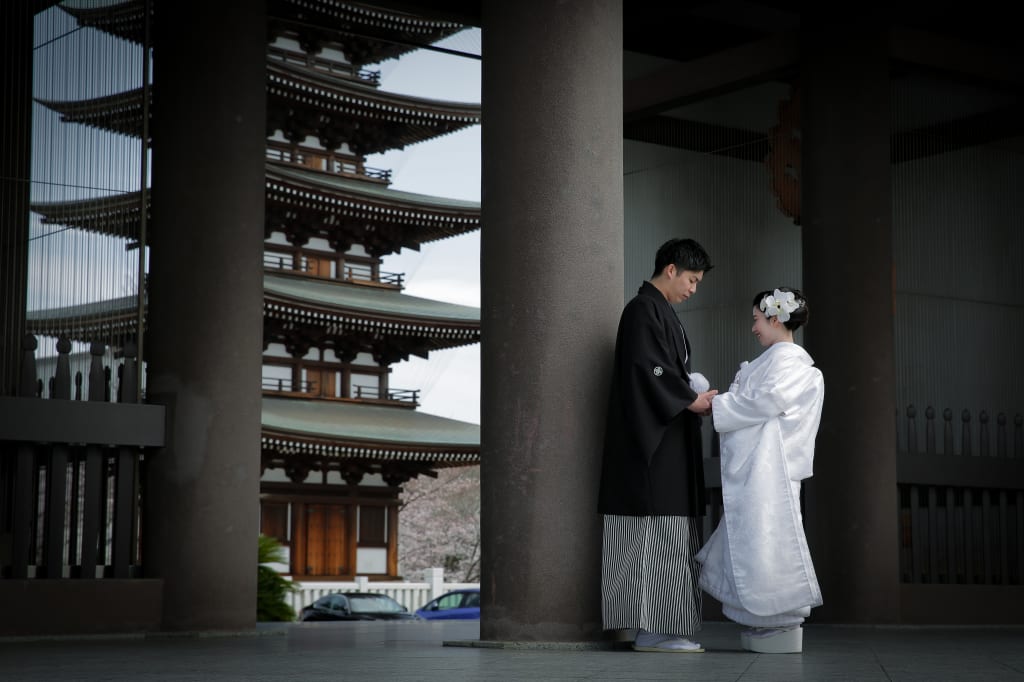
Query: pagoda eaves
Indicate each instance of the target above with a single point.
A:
(312, 203)
(304, 203)
(348, 317)
(345, 429)
(116, 215)
(303, 312)
(365, 34)
(120, 19)
(118, 113)
(304, 102)
(98, 321)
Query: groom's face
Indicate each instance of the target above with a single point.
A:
(682, 284)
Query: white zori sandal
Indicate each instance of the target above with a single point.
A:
(773, 640)
(669, 644)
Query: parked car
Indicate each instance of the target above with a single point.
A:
(456, 605)
(355, 606)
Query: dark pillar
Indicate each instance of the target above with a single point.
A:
(552, 269)
(851, 513)
(205, 309)
(15, 170)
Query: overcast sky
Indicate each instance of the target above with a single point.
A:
(449, 269)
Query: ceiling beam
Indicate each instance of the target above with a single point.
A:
(756, 62)
(952, 55)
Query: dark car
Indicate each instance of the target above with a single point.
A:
(456, 605)
(355, 606)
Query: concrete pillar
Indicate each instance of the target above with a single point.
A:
(851, 513)
(15, 169)
(205, 309)
(552, 272)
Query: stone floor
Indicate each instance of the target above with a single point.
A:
(452, 651)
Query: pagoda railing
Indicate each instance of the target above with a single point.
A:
(322, 64)
(280, 385)
(326, 160)
(395, 395)
(285, 261)
(357, 272)
(349, 271)
(71, 470)
(306, 388)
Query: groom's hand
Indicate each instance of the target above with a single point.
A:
(702, 405)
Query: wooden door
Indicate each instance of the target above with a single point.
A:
(326, 540)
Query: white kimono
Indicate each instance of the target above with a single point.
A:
(757, 562)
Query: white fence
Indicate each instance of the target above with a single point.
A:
(409, 594)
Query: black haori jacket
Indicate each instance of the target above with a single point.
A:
(653, 461)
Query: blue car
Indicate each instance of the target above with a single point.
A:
(456, 605)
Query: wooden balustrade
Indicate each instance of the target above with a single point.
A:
(961, 500)
(70, 470)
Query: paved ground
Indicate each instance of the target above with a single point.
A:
(452, 651)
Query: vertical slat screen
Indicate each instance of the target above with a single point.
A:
(86, 175)
(75, 159)
(958, 239)
(958, 226)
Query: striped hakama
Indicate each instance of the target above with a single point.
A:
(649, 577)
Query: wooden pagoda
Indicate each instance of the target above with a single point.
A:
(338, 440)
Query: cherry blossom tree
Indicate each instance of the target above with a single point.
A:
(439, 524)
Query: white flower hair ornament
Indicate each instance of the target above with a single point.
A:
(780, 304)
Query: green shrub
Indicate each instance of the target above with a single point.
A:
(272, 588)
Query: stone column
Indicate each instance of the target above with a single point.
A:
(851, 511)
(552, 271)
(205, 309)
(15, 169)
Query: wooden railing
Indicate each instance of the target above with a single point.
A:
(331, 66)
(70, 471)
(349, 272)
(961, 498)
(327, 161)
(366, 393)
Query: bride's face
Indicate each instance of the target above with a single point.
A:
(768, 330)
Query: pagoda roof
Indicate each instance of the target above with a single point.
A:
(340, 209)
(358, 299)
(120, 18)
(303, 101)
(116, 215)
(347, 430)
(328, 204)
(349, 317)
(366, 35)
(120, 112)
(96, 321)
(304, 311)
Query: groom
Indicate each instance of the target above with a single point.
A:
(652, 477)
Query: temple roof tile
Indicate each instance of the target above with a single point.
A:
(341, 429)
(371, 301)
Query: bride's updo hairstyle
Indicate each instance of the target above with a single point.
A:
(789, 305)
